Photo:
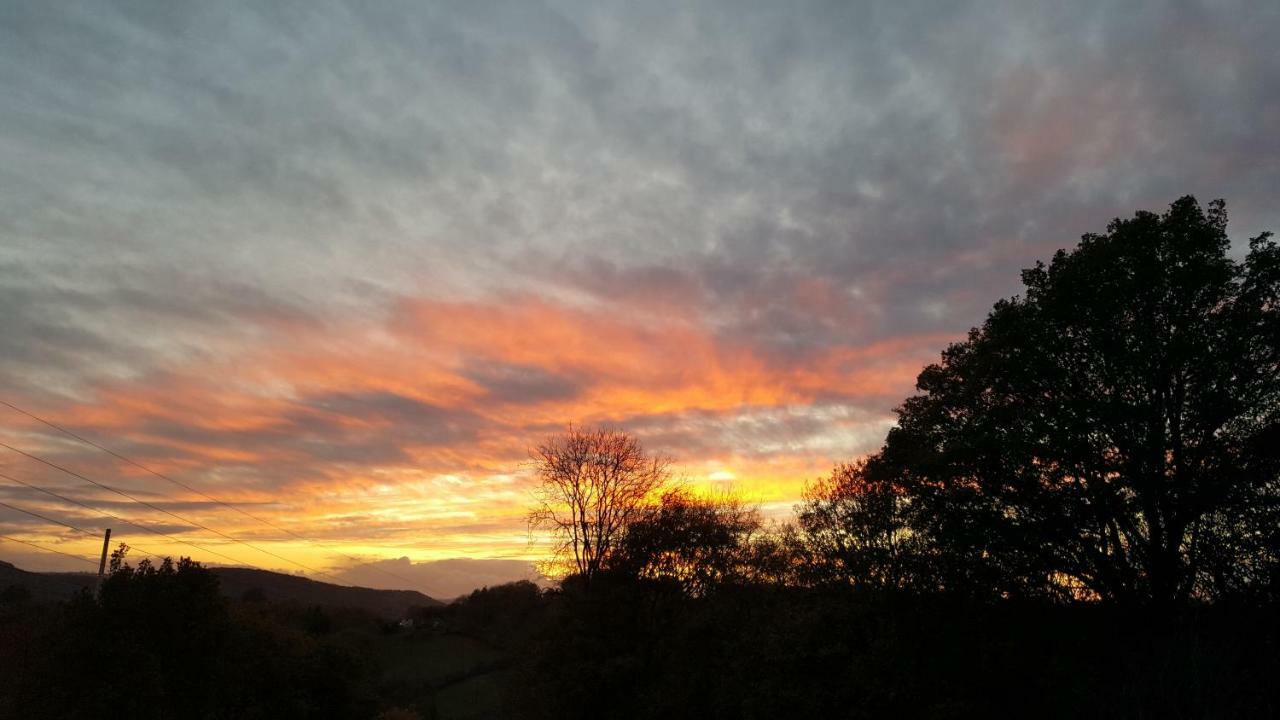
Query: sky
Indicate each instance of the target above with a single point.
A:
(339, 266)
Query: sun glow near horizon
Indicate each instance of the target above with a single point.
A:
(342, 268)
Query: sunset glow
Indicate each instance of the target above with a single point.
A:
(409, 437)
(342, 273)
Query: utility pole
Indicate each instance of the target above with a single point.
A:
(102, 564)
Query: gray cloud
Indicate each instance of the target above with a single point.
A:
(187, 181)
(828, 432)
(441, 579)
(507, 383)
(308, 150)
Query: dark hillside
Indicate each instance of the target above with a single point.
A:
(43, 586)
(277, 587)
(235, 583)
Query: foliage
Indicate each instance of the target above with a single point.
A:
(696, 543)
(1113, 434)
(853, 527)
(626, 650)
(499, 615)
(160, 641)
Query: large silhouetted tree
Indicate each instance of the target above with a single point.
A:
(695, 542)
(1114, 431)
(593, 483)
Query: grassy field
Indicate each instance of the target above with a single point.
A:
(447, 676)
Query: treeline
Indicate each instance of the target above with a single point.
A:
(161, 641)
(1077, 515)
(633, 649)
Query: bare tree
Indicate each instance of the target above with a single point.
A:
(593, 483)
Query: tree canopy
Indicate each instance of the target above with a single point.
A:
(1112, 433)
(854, 526)
(694, 542)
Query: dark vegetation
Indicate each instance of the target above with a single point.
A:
(1078, 515)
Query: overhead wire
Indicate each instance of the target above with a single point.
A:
(127, 521)
(189, 488)
(55, 576)
(49, 549)
(228, 557)
(174, 515)
(68, 525)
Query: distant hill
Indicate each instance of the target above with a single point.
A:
(278, 587)
(44, 586)
(275, 587)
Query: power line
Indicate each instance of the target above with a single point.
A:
(126, 521)
(185, 486)
(160, 509)
(81, 530)
(49, 549)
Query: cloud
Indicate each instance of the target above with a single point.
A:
(521, 384)
(342, 265)
(441, 579)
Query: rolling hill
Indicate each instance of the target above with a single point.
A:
(274, 587)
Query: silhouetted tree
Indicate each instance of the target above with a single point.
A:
(853, 527)
(694, 542)
(593, 484)
(1114, 433)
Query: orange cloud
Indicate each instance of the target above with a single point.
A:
(407, 436)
